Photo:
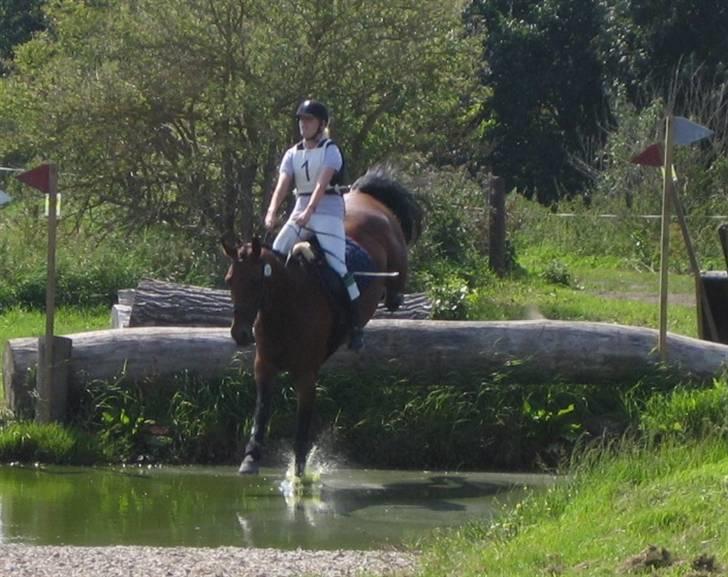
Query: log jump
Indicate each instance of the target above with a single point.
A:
(537, 351)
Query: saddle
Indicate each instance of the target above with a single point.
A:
(310, 255)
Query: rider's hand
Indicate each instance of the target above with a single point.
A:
(271, 219)
(303, 218)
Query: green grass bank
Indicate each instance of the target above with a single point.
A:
(663, 486)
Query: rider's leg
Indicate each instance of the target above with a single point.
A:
(330, 233)
(289, 235)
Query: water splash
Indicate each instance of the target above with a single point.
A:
(310, 482)
(303, 494)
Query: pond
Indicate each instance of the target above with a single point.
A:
(209, 507)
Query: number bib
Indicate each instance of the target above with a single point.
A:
(307, 164)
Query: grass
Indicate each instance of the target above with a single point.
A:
(17, 323)
(670, 496)
(593, 294)
(665, 486)
(50, 444)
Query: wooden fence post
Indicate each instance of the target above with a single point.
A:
(497, 226)
(52, 385)
(723, 235)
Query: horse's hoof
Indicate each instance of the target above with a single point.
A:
(394, 302)
(249, 466)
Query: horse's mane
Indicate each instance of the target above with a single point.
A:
(378, 182)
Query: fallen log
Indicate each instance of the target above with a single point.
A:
(536, 351)
(157, 303)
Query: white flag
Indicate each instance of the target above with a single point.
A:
(686, 132)
(4, 198)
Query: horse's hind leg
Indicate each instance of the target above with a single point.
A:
(397, 262)
(306, 391)
(264, 377)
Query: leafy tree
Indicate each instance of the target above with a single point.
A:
(548, 93)
(663, 36)
(19, 19)
(179, 110)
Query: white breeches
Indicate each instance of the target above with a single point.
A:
(329, 231)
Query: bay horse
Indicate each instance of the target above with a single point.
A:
(285, 308)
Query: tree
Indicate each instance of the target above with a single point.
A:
(19, 19)
(179, 110)
(548, 91)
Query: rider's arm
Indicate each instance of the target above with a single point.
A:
(282, 187)
(285, 178)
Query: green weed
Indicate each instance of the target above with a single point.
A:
(49, 444)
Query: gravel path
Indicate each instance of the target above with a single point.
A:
(30, 561)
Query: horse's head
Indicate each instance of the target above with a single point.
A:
(245, 277)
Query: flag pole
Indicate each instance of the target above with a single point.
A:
(665, 237)
(50, 288)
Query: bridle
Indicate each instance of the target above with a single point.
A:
(265, 272)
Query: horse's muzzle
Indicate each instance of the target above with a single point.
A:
(242, 334)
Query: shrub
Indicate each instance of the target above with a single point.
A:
(556, 272)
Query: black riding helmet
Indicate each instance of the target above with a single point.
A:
(313, 108)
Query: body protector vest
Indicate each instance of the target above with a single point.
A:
(307, 165)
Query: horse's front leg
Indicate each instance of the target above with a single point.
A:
(265, 375)
(306, 393)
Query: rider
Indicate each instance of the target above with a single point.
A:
(315, 165)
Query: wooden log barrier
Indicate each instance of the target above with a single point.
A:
(157, 303)
(536, 351)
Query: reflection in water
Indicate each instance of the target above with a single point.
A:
(345, 508)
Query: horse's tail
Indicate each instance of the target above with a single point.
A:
(378, 182)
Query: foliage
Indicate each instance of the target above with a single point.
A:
(654, 41)
(474, 422)
(19, 19)
(183, 420)
(93, 265)
(178, 112)
(50, 444)
(449, 296)
(548, 94)
(615, 501)
(687, 414)
(448, 260)
(556, 272)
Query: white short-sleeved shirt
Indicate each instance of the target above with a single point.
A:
(305, 165)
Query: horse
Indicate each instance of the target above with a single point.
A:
(285, 309)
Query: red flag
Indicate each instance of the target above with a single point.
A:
(38, 177)
(650, 156)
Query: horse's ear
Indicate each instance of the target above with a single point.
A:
(256, 247)
(230, 246)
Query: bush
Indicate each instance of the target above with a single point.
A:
(455, 232)
(556, 272)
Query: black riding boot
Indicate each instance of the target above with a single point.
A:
(356, 335)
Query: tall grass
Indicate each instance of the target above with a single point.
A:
(93, 265)
(49, 444)
(666, 490)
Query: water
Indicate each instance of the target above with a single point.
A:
(203, 507)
